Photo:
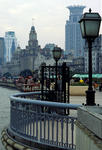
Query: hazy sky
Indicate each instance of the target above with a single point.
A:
(49, 18)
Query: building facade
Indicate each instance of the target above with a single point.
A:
(32, 57)
(10, 45)
(2, 50)
(28, 58)
(73, 38)
(78, 65)
(47, 50)
(96, 55)
(30, 53)
(100, 62)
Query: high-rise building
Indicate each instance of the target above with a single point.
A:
(10, 45)
(73, 37)
(2, 50)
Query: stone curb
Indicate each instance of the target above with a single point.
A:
(10, 144)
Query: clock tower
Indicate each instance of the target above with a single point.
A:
(33, 42)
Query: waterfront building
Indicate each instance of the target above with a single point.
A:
(2, 50)
(32, 57)
(33, 42)
(96, 55)
(29, 58)
(10, 45)
(50, 46)
(47, 50)
(30, 53)
(100, 62)
(73, 39)
(78, 65)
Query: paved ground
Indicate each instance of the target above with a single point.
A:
(82, 99)
(5, 105)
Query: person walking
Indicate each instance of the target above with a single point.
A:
(59, 89)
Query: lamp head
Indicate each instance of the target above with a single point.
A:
(90, 24)
(57, 52)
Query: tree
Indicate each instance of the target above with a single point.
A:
(25, 73)
(7, 75)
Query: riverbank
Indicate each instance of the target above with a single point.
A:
(21, 87)
(74, 90)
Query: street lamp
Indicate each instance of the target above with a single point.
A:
(57, 52)
(90, 25)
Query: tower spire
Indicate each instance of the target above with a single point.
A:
(32, 21)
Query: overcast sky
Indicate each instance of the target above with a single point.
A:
(49, 18)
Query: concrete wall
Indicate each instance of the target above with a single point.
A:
(78, 90)
(86, 140)
(89, 128)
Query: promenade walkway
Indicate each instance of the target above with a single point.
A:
(50, 129)
(82, 99)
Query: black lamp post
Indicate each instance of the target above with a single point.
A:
(57, 52)
(90, 25)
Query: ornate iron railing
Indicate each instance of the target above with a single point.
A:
(41, 121)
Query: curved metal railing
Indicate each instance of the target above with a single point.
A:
(41, 121)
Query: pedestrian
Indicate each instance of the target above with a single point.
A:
(100, 87)
(95, 85)
(59, 83)
(59, 89)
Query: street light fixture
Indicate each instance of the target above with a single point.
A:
(57, 52)
(90, 25)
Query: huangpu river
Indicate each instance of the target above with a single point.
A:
(5, 109)
(5, 106)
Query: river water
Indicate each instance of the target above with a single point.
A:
(5, 106)
(5, 109)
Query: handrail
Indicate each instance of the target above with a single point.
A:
(41, 121)
(15, 97)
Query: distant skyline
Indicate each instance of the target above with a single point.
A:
(49, 18)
